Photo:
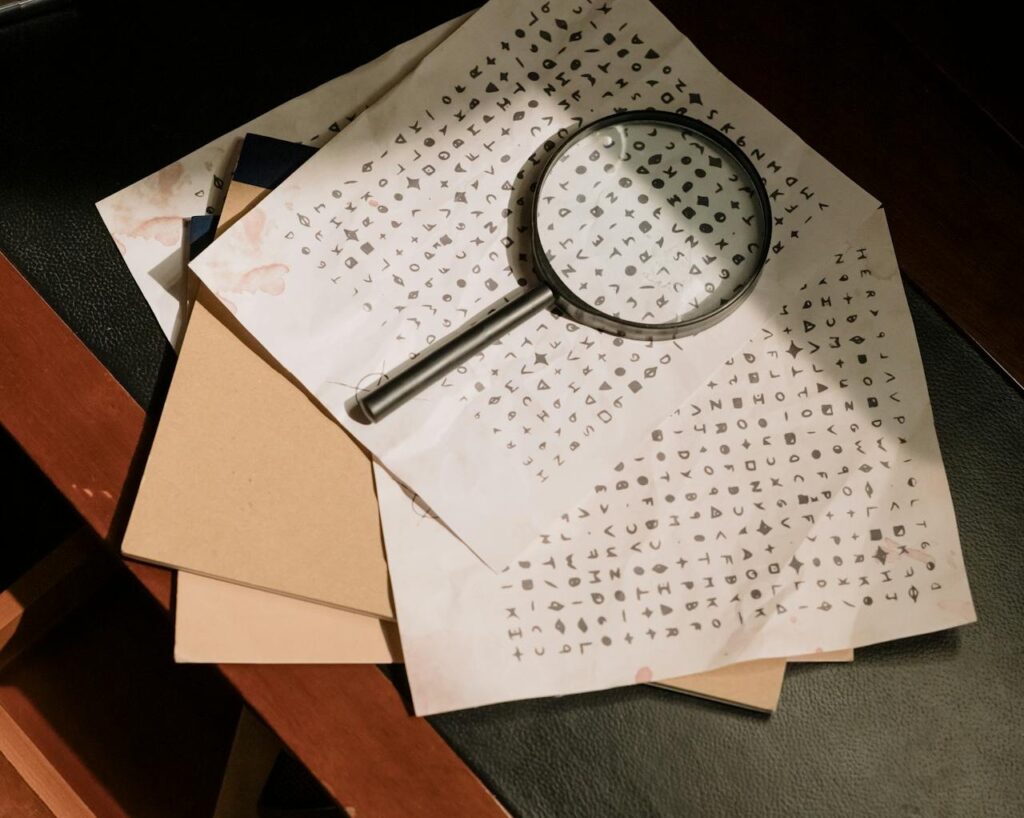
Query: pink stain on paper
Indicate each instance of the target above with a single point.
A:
(165, 229)
(168, 179)
(268, 278)
(644, 675)
(919, 555)
(264, 278)
(154, 197)
(960, 608)
(252, 229)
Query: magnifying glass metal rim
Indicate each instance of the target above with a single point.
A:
(432, 364)
(578, 309)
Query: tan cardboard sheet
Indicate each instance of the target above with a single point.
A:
(248, 480)
(217, 621)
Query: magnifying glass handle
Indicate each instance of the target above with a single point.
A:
(447, 354)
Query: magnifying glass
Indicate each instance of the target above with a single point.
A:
(648, 225)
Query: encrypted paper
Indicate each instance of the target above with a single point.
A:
(796, 503)
(409, 222)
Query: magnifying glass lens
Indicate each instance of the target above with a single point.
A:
(646, 225)
(651, 223)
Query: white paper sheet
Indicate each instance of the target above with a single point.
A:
(796, 503)
(146, 219)
(395, 233)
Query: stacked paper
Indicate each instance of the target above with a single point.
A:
(773, 488)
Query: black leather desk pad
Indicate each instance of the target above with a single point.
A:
(92, 99)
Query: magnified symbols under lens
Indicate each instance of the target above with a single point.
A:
(648, 225)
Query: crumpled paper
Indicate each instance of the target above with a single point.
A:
(408, 223)
(797, 503)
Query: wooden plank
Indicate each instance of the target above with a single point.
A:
(346, 723)
(51, 793)
(62, 406)
(323, 712)
(16, 796)
(50, 590)
(102, 700)
(36, 516)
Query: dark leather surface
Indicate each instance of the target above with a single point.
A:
(927, 726)
(93, 99)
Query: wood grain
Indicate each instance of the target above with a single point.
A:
(50, 590)
(129, 731)
(36, 787)
(347, 723)
(16, 796)
(62, 406)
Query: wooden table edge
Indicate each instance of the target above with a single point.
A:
(347, 723)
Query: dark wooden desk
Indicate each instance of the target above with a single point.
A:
(885, 93)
